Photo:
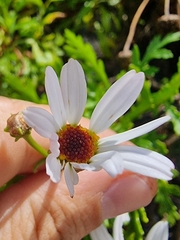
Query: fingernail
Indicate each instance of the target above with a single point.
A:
(127, 193)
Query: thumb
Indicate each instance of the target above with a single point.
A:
(36, 208)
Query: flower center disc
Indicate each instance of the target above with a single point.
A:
(77, 144)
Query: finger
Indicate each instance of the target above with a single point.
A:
(50, 213)
(19, 157)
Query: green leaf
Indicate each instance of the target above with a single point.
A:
(162, 54)
(43, 58)
(29, 27)
(155, 48)
(20, 4)
(134, 228)
(168, 90)
(136, 55)
(170, 38)
(175, 117)
(50, 17)
(167, 208)
(27, 90)
(149, 71)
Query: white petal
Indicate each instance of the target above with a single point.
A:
(71, 178)
(73, 86)
(85, 166)
(54, 147)
(82, 166)
(133, 133)
(113, 166)
(41, 120)
(100, 233)
(159, 231)
(97, 160)
(146, 162)
(116, 101)
(53, 168)
(55, 97)
(117, 226)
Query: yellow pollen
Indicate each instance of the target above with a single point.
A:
(77, 144)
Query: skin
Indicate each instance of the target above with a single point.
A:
(36, 208)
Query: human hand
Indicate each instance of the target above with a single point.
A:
(37, 208)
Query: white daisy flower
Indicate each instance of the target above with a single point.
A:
(159, 231)
(73, 148)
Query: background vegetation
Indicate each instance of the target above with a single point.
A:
(37, 33)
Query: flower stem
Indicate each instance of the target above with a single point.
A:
(38, 164)
(35, 145)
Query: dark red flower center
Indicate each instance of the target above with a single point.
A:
(77, 144)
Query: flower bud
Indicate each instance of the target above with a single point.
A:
(16, 126)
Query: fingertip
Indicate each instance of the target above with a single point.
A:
(127, 193)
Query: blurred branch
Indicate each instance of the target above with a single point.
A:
(166, 7)
(171, 140)
(126, 50)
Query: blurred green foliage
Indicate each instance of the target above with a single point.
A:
(36, 33)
